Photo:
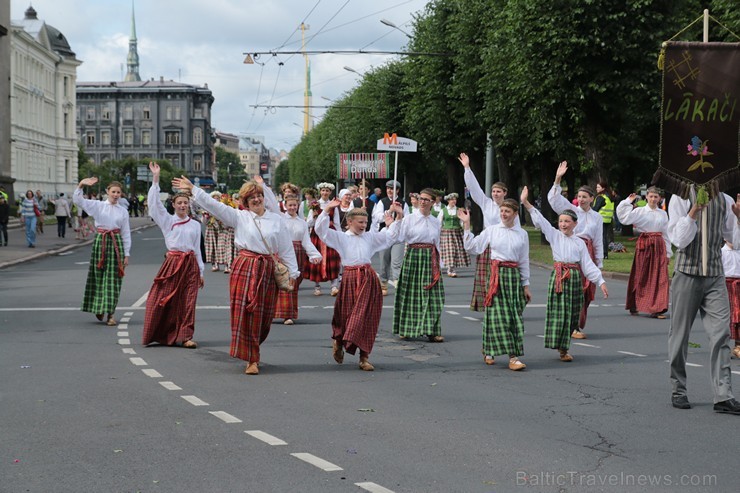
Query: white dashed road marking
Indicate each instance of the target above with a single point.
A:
(453, 313)
(138, 361)
(225, 417)
(125, 342)
(586, 345)
(194, 400)
(693, 364)
(152, 373)
(122, 333)
(317, 461)
(373, 488)
(170, 386)
(633, 354)
(128, 314)
(128, 350)
(265, 437)
(472, 319)
(736, 372)
(123, 326)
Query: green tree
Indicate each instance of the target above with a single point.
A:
(230, 170)
(282, 173)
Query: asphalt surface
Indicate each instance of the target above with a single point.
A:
(84, 407)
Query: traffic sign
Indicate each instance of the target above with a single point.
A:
(393, 142)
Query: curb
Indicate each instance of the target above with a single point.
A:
(56, 251)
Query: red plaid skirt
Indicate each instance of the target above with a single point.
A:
(170, 306)
(357, 309)
(253, 294)
(589, 288)
(647, 289)
(480, 284)
(733, 290)
(330, 265)
(287, 301)
(452, 248)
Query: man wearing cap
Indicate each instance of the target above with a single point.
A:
(392, 258)
(590, 229)
(364, 202)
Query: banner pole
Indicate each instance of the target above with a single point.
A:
(704, 224)
(395, 177)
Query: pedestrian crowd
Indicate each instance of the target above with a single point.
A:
(269, 242)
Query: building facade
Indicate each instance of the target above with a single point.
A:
(6, 180)
(254, 157)
(228, 141)
(147, 120)
(43, 143)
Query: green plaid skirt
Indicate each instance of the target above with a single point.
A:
(503, 329)
(417, 311)
(563, 310)
(103, 285)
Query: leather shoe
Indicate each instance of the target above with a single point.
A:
(515, 364)
(736, 352)
(436, 339)
(338, 351)
(252, 369)
(190, 344)
(565, 356)
(489, 360)
(730, 406)
(682, 402)
(578, 334)
(111, 321)
(366, 366)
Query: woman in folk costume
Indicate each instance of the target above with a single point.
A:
(287, 302)
(489, 206)
(451, 237)
(590, 229)
(110, 250)
(420, 294)
(731, 265)
(328, 269)
(508, 290)
(414, 203)
(309, 197)
(225, 249)
(359, 304)
(573, 266)
(345, 205)
(213, 228)
(647, 289)
(170, 306)
(259, 236)
(287, 190)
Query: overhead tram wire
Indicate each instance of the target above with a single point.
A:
(272, 96)
(259, 87)
(310, 38)
(302, 22)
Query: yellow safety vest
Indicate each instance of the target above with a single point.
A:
(607, 211)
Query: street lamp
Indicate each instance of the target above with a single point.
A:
(350, 69)
(390, 24)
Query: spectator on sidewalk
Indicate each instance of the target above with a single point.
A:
(27, 212)
(62, 212)
(4, 214)
(41, 204)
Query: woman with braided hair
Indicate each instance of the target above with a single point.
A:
(110, 250)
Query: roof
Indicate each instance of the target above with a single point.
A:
(38, 29)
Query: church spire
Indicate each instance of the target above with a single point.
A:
(132, 60)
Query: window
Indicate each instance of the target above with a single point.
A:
(197, 163)
(172, 137)
(177, 112)
(78, 113)
(66, 125)
(105, 113)
(90, 138)
(66, 86)
(128, 112)
(147, 113)
(105, 137)
(90, 113)
(198, 113)
(197, 136)
(128, 137)
(146, 137)
(168, 113)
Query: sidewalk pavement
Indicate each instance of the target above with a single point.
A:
(48, 243)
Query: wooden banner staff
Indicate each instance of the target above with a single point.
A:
(704, 224)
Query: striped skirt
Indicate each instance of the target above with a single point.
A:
(253, 294)
(733, 290)
(503, 328)
(589, 290)
(563, 309)
(647, 289)
(170, 306)
(417, 310)
(357, 309)
(330, 265)
(225, 248)
(105, 274)
(480, 284)
(287, 301)
(452, 248)
(211, 244)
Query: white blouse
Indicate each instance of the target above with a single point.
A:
(181, 235)
(311, 219)
(568, 249)
(731, 260)
(507, 245)
(379, 214)
(590, 224)
(646, 219)
(418, 228)
(299, 232)
(682, 229)
(107, 216)
(355, 249)
(489, 207)
(247, 227)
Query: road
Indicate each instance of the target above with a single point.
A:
(86, 408)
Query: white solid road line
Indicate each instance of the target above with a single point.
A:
(225, 417)
(586, 345)
(140, 301)
(170, 386)
(128, 350)
(736, 372)
(633, 354)
(152, 373)
(317, 461)
(373, 488)
(194, 400)
(125, 342)
(138, 361)
(265, 437)
(453, 313)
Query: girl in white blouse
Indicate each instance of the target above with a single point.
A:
(565, 290)
(170, 305)
(258, 235)
(359, 303)
(110, 250)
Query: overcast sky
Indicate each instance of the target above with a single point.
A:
(199, 42)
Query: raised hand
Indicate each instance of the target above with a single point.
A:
(464, 160)
(562, 169)
(182, 183)
(88, 182)
(154, 168)
(258, 179)
(463, 215)
(525, 194)
(632, 197)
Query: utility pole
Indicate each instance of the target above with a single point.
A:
(307, 120)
